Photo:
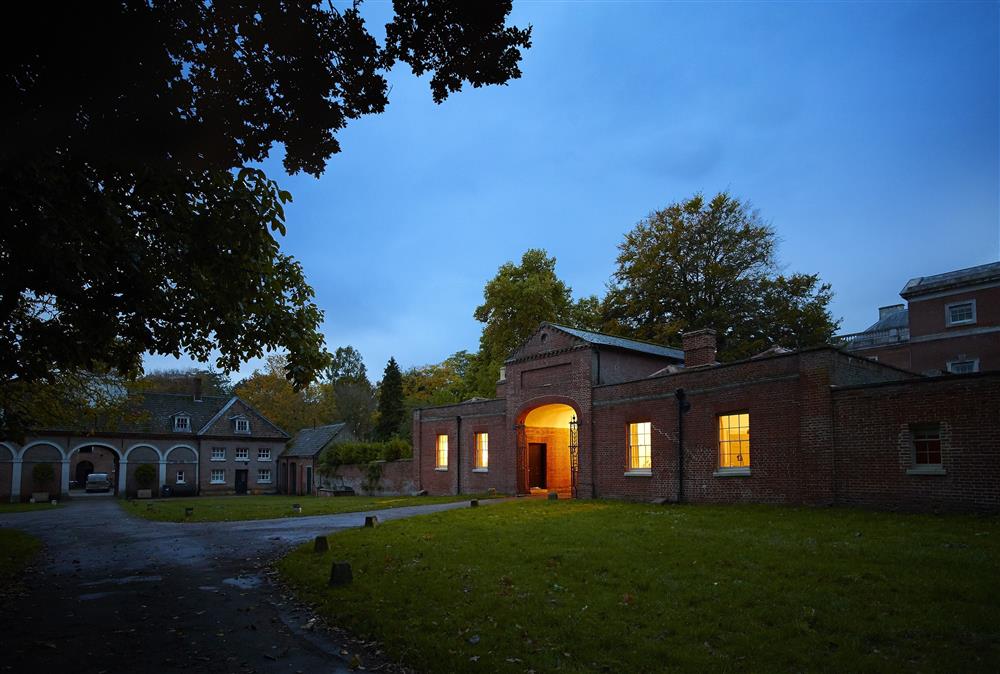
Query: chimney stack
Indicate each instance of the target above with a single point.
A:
(890, 310)
(699, 348)
(197, 389)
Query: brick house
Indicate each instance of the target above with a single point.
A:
(950, 323)
(592, 415)
(298, 465)
(198, 444)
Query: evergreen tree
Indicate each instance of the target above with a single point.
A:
(392, 414)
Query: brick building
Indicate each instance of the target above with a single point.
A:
(298, 465)
(592, 415)
(198, 444)
(950, 323)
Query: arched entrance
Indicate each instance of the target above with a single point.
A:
(547, 450)
(94, 458)
(83, 469)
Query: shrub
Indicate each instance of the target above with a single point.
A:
(373, 477)
(42, 474)
(364, 452)
(145, 475)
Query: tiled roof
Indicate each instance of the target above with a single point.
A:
(311, 441)
(922, 285)
(602, 339)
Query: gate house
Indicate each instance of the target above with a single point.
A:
(590, 415)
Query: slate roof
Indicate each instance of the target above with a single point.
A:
(895, 320)
(922, 285)
(162, 407)
(602, 339)
(311, 441)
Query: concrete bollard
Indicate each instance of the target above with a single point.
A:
(296, 507)
(188, 512)
(492, 491)
(340, 574)
(474, 503)
(553, 496)
(371, 521)
(321, 544)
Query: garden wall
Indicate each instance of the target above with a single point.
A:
(397, 479)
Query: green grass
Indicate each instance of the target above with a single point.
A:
(16, 550)
(26, 507)
(238, 508)
(600, 586)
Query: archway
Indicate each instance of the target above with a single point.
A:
(546, 442)
(93, 458)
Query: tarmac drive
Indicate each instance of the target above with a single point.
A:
(115, 593)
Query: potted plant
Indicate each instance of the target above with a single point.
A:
(42, 475)
(145, 475)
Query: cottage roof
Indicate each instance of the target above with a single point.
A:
(311, 441)
(922, 285)
(602, 339)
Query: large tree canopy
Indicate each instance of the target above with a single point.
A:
(132, 218)
(711, 264)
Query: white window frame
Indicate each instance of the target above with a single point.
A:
(260, 480)
(264, 454)
(630, 468)
(245, 422)
(968, 321)
(437, 452)
(481, 453)
(215, 480)
(721, 445)
(215, 454)
(178, 428)
(179, 478)
(958, 361)
(241, 454)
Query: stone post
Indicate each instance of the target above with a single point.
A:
(64, 480)
(122, 473)
(15, 487)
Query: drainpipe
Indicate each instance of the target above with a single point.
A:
(683, 406)
(458, 455)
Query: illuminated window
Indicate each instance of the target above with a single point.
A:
(482, 444)
(442, 452)
(734, 440)
(640, 455)
(927, 445)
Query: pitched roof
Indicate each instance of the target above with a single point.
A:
(161, 408)
(602, 339)
(922, 285)
(311, 441)
(895, 320)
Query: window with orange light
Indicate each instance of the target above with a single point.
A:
(640, 454)
(442, 452)
(734, 440)
(482, 444)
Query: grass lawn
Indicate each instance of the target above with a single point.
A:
(25, 507)
(235, 508)
(16, 550)
(584, 585)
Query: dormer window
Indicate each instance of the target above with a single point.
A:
(182, 423)
(242, 425)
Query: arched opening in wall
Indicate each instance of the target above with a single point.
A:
(6, 472)
(99, 461)
(41, 472)
(546, 440)
(182, 470)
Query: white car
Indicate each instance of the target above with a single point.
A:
(98, 482)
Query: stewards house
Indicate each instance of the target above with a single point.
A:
(595, 416)
(198, 444)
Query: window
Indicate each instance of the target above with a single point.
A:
(960, 313)
(218, 453)
(926, 445)
(218, 476)
(640, 457)
(182, 422)
(734, 440)
(963, 366)
(441, 458)
(264, 454)
(242, 425)
(264, 475)
(482, 445)
(180, 477)
(503, 373)
(242, 454)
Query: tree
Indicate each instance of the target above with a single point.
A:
(347, 364)
(347, 384)
(134, 220)
(213, 383)
(515, 302)
(438, 384)
(274, 396)
(698, 264)
(391, 413)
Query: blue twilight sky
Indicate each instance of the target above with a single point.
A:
(866, 133)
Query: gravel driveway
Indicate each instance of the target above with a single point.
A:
(114, 593)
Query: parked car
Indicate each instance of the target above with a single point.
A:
(98, 482)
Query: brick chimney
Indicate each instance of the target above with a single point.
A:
(889, 310)
(699, 348)
(196, 383)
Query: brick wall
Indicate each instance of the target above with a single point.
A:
(397, 479)
(459, 476)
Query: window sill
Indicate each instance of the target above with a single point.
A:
(441, 470)
(480, 470)
(263, 460)
(641, 472)
(217, 483)
(217, 460)
(731, 472)
(262, 482)
(926, 470)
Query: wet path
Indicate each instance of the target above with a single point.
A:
(114, 593)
